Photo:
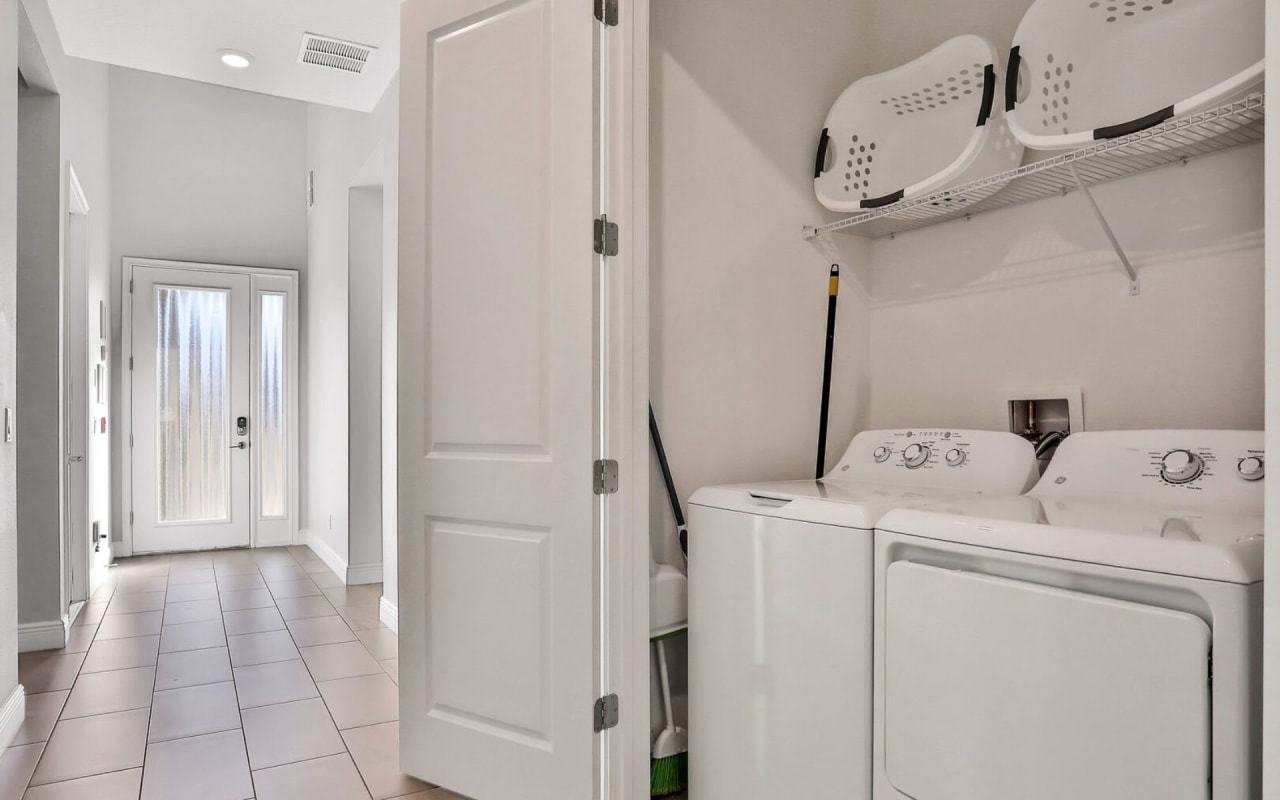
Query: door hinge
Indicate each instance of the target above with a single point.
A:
(131, 363)
(605, 476)
(606, 238)
(607, 12)
(130, 517)
(131, 286)
(131, 440)
(606, 715)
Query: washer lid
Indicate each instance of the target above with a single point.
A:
(1175, 540)
(827, 502)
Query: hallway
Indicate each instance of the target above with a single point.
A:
(230, 675)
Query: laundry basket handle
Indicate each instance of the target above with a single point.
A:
(1011, 78)
(988, 94)
(820, 162)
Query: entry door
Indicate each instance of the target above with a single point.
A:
(496, 377)
(191, 388)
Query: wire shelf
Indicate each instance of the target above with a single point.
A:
(1227, 126)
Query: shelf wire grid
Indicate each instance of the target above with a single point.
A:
(1231, 125)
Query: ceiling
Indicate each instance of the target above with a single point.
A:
(182, 38)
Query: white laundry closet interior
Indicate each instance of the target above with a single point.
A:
(937, 326)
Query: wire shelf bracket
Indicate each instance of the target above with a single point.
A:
(1231, 125)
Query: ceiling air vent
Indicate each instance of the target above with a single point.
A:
(325, 51)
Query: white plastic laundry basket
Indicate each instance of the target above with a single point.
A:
(916, 129)
(1082, 70)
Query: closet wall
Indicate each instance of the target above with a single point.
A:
(1034, 296)
(738, 95)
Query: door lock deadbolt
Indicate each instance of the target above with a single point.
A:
(242, 426)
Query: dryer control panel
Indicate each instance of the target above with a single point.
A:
(966, 460)
(1202, 468)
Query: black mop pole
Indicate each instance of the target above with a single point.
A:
(833, 289)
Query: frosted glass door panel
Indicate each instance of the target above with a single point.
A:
(190, 354)
(272, 438)
(193, 422)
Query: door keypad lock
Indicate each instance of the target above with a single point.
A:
(242, 426)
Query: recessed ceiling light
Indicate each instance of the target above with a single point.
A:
(236, 59)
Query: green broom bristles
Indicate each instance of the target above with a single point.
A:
(669, 775)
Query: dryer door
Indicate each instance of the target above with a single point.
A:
(1002, 690)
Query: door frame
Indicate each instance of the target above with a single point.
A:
(76, 543)
(626, 651)
(124, 548)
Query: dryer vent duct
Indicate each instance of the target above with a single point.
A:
(325, 51)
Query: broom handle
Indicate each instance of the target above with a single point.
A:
(666, 471)
(666, 684)
(833, 290)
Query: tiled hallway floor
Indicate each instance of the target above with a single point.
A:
(216, 676)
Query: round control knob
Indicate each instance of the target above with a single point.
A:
(1252, 468)
(881, 454)
(956, 457)
(916, 455)
(1181, 466)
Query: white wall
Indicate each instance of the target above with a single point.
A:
(201, 173)
(339, 146)
(1034, 296)
(739, 92)
(364, 391)
(8, 273)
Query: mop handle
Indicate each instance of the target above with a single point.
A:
(833, 290)
(666, 469)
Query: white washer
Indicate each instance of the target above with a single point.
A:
(780, 610)
(1097, 638)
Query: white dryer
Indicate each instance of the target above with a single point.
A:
(1097, 638)
(780, 610)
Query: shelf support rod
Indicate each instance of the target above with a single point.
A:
(1135, 287)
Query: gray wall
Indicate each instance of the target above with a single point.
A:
(201, 173)
(70, 128)
(39, 438)
(8, 330)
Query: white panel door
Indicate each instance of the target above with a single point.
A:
(191, 388)
(496, 372)
(997, 689)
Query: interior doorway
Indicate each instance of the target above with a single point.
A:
(86, 464)
(212, 389)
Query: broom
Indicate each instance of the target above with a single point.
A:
(669, 770)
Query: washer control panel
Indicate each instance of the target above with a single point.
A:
(975, 461)
(1182, 467)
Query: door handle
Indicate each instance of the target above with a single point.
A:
(241, 446)
(74, 459)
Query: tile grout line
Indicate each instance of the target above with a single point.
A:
(345, 747)
(244, 739)
(146, 741)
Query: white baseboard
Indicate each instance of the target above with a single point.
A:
(364, 573)
(389, 614)
(12, 713)
(326, 554)
(50, 635)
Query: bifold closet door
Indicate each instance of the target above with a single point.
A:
(496, 380)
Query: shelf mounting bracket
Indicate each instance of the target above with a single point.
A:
(1135, 287)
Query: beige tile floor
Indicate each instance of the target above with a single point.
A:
(237, 675)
